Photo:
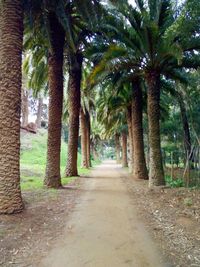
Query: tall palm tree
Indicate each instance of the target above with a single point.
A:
(139, 165)
(84, 139)
(81, 31)
(74, 94)
(11, 35)
(130, 92)
(87, 110)
(112, 114)
(55, 76)
(44, 41)
(150, 42)
(117, 147)
(124, 149)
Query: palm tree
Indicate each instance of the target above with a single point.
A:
(39, 111)
(11, 35)
(55, 75)
(81, 31)
(87, 111)
(124, 149)
(44, 41)
(130, 136)
(150, 42)
(88, 123)
(139, 165)
(74, 94)
(112, 114)
(130, 93)
(117, 148)
(84, 139)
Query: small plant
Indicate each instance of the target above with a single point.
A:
(174, 183)
(188, 201)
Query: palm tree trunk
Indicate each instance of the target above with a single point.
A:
(140, 169)
(11, 36)
(39, 112)
(88, 138)
(117, 148)
(124, 150)
(84, 140)
(94, 151)
(74, 109)
(24, 108)
(130, 136)
(156, 172)
(55, 74)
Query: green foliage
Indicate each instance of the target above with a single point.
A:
(33, 161)
(173, 182)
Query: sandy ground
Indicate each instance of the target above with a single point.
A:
(104, 230)
(107, 219)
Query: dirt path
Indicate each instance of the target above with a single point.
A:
(103, 230)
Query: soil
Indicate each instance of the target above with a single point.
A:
(173, 216)
(26, 237)
(107, 219)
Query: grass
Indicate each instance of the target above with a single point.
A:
(173, 182)
(33, 161)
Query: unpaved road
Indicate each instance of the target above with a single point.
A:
(103, 230)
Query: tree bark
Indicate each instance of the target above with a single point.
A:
(24, 110)
(55, 74)
(94, 151)
(39, 112)
(140, 169)
(11, 36)
(130, 136)
(117, 148)
(124, 150)
(156, 172)
(75, 68)
(88, 138)
(84, 140)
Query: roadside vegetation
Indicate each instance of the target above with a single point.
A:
(33, 161)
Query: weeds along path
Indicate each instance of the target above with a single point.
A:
(103, 230)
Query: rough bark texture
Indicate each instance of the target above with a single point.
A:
(88, 138)
(74, 83)
(39, 112)
(140, 169)
(94, 151)
(117, 148)
(124, 150)
(83, 127)
(24, 108)
(11, 36)
(55, 74)
(156, 172)
(130, 136)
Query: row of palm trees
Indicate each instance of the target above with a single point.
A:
(54, 30)
(148, 48)
(132, 49)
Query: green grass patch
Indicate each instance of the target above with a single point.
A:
(173, 182)
(33, 161)
(31, 183)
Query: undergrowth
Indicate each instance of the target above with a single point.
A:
(173, 182)
(33, 161)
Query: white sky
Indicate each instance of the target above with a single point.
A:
(132, 2)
